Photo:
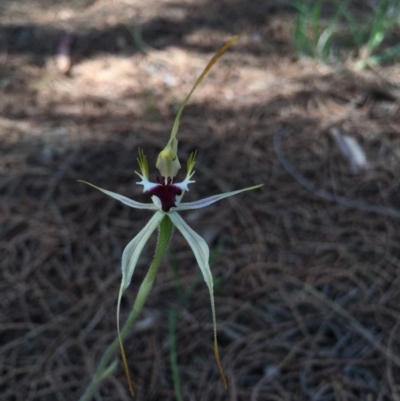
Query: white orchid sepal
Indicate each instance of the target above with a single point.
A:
(123, 199)
(133, 250)
(212, 199)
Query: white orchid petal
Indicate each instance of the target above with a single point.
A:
(184, 184)
(202, 255)
(134, 248)
(123, 199)
(147, 185)
(211, 199)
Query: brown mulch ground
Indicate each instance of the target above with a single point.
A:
(306, 268)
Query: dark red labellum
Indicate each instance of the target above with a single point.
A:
(167, 192)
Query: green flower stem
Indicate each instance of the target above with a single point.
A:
(105, 367)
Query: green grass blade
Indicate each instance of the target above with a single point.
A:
(172, 319)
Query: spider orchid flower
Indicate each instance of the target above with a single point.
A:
(166, 195)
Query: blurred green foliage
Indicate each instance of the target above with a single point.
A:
(331, 31)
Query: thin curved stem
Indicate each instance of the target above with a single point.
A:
(105, 367)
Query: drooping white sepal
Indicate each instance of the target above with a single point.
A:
(134, 248)
(198, 245)
(202, 255)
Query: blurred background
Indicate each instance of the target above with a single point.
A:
(306, 268)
